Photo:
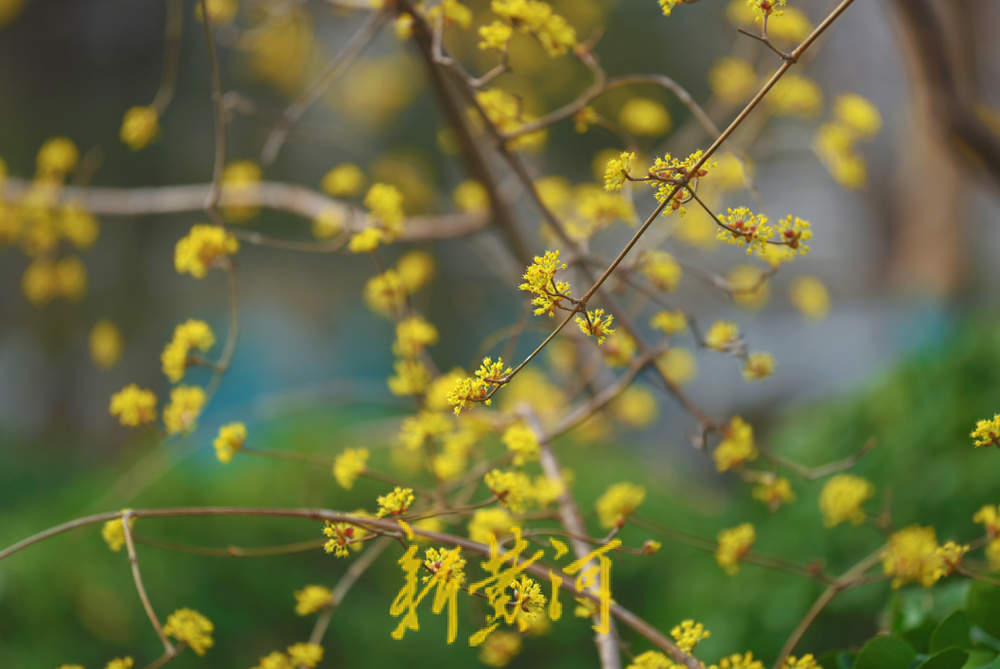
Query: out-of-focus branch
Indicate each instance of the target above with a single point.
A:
(290, 198)
(953, 110)
(172, 56)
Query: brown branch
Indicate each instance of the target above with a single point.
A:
(168, 648)
(171, 61)
(211, 204)
(290, 198)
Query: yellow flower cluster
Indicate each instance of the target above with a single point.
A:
(114, 534)
(539, 280)
(140, 126)
(986, 432)
(46, 279)
(56, 158)
(105, 344)
(737, 446)
(596, 323)
(795, 95)
(229, 441)
(303, 654)
(689, 634)
(619, 502)
(734, 544)
(500, 648)
(842, 498)
(134, 406)
(989, 516)
(758, 366)
(810, 297)
(386, 293)
(395, 503)
(643, 117)
(855, 119)
(764, 9)
(191, 628)
(506, 112)
(184, 408)
(732, 80)
(661, 269)
(912, 555)
(668, 5)
(669, 322)
(344, 180)
(723, 336)
(478, 388)
(486, 522)
(203, 247)
(512, 488)
(742, 227)
(773, 491)
(240, 179)
(807, 661)
(311, 599)
(495, 35)
(349, 465)
(617, 170)
(522, 442)
(191, 334)
(539, 20)
(385, 203)
(678, 365)
(471, 196)
(668, 172)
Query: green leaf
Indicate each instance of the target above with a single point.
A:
(953, 658)
(885, 652)
(983, 606)
(953, 632)
(982, 659)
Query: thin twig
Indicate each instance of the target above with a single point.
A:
(168, 648)
(211, 204)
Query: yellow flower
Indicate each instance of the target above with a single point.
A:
(742, 227)
(385, 203)
(395, 503)
(220, 12)
(522, 442)
(411, 377)
(229, 441)
(495, 36)
(644, 118)
(689, 634)
(413, 335)
(737, 661)
(105, 344)
(341, 536)
(661, 269)
(653, 659)
(484, 522)
(732, 80)
(57, 157)
(415, 270)
(191, 334)
(737, 445)
(842, 498)
(773, 491)
(365, 241)
(77, 225)
(500, 648)
(669, 322)
(539, 280)
(311, 599)
(305, 654)
(344, 180)
(619, 349)
(120, 663)
(678, 365)
(618, 502)
(758, 366)
(275, 660)
(912, 555)
(596, 324)
(183, 410)
(203, 247)
(989, 516)
(748, 287)
(240, 178)
(349, 465)
(810, 297)
(328, 223)
(476, 389)
(190, 627)
(385, 293)
(734, 544)
(858, 114)
(986, 432)
(114, 534)
(636, 406)
(470, 196)
(792, 25)
(139, 126)
(805, 662)
(511, 488)
(723, 336)
(765, 8)
(134, 405)
(537, 19)
(795, 95)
